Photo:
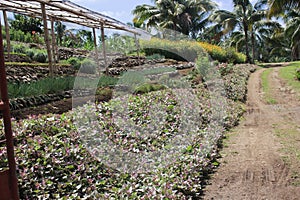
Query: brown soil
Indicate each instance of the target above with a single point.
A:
(258, 161)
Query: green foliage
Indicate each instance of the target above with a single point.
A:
(298, 74)
(40, 87)
(74, 62)
(203, 66)
(148, 87)
(178, 50)
(30, 53)
(155, 57)
(290, 73)
(88, 66)
(19, 48)
(228, 55)
(40, 56)
(120, 44)
(57, 165)
(26, 24)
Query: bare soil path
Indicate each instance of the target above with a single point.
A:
(252, 163)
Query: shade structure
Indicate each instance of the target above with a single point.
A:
(67, 11)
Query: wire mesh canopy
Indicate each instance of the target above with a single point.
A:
(67, 11)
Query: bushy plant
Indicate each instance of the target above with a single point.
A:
(88, 66)
(183, 50)
(40, 56)
(298, 74)
(18, 48)
(216, 52)
(30, 53)
(148, 87)
(228, 55)
(74, 62)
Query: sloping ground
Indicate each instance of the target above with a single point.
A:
(256, 162)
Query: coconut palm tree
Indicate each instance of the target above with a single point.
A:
(60, 29)
(280, 6)
(292, 31)
(244, 17)
(185, 16)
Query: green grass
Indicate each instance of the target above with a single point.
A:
(289, 137)
(266, 87)
(54, 85)
(34, 64)
(288, 73)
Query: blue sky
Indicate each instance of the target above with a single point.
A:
(121, 9)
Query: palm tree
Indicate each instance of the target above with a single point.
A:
(60, 29)
(280, 6)
(243, 17)
(185, 16)
(292, 31)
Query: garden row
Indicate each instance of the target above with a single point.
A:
(53, 152)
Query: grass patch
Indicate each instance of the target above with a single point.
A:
(288, 73)
(289, 138)
(34, 64)
(266, 87)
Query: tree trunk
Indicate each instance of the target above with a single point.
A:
(248, 58)
(253, 46)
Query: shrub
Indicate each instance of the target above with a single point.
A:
(228, 55)
(18, 48)
(298, 74)
(148, 87)
(30, 53)
(216, 52)
(182, 50)
(40, 56)
(88, 66)
(155, 57)
(74, 62)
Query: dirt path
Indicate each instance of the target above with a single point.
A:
(252, 165)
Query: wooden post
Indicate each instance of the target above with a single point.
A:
(95, 45)
(12, 180)
(47, 38)
(137, 47)
(104, 47)
(53, 44)
(7, 35)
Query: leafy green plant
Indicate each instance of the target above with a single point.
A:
(74, 62)
(40, 56)
(19, 48)
(298, 74)
(178, 50)
(148, 87)
(88, 66)
(40, 87)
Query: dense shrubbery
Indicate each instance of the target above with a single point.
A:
(178, 50)
(88, 66)
(189, 50)
(298, 74)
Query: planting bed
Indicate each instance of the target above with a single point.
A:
(54, 158)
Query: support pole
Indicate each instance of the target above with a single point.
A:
(104, 47)
(95, 45)
(13, 182)
(7, 35)
(47, 41)
(53, 44)
(137, 44)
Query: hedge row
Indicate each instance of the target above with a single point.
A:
(189, 50)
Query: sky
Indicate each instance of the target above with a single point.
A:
(121, 9)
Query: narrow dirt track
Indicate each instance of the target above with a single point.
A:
(251, 164)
